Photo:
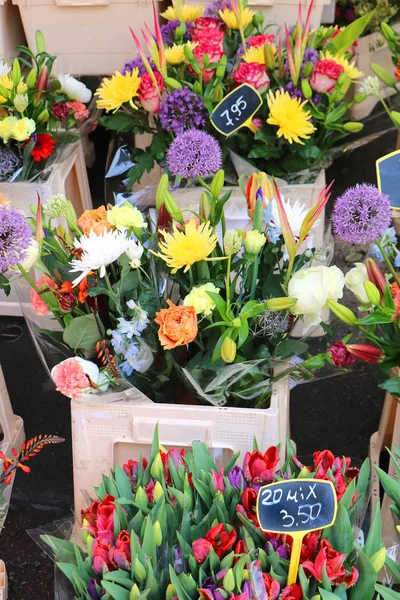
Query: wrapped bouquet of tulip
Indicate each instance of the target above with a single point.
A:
(175, 303)
(172, 525)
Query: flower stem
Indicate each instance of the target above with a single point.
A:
(228, 283)
(203, 183)
(114, 297)
(388, 263)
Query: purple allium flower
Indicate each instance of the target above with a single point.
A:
(182, 109)
(361, 214)
(214, 7)
(168, 32)
(9, 163)
(137, 63)
(15, 237)
(194, 153)
(236, 478)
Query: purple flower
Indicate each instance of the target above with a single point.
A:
(210, 590)
(9, 162)
(281, 549)
(15, 237)
(182, 109)
(361, 214)
(137, 63)
(93, 593)
(178, 561)
(310, 55)
(213, 9)
(194, 153)
(236, 478)
(168, 32)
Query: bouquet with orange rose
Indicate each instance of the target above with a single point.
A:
(206, 51)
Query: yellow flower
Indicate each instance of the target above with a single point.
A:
(289, 115)
(22, 87)
(349, 68)
(125, 216)
(184, 248)
(21, 102)
(256, 54)
(114, 92)
(200, 300)
(6, 82)
(23, 129)
(6, 128)
(175, 55)
(190, 12)
(230, 19)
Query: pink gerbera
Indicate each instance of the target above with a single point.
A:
(70, 378)
(39, 305)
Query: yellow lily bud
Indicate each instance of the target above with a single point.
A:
(134, 593)
(172, 83)
(228, 350)
(217, 183)
(353, 127)
(280, 303)
(372, 292)
(342, 312)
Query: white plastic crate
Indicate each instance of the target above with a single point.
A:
(3, 582)
(11, 30)
(68, 177)
(89, 37)
(14, 436)
(106, 434)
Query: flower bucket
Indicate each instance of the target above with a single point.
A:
(11, 30)
(372, 48)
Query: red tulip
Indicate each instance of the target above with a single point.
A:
(272, 587)
(120, 556)
(218, 480)
(334, 565)
(105, 517)
(292, 592)
(201, 549)
(176, 456)
(259, 468)
(221, 540)
(248, 505)
(100, 549)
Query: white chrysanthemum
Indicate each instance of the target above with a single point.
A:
(98, 252)
(4, 68)
(134, 253)
(295, 212)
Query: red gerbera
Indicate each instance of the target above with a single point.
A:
(44, 146)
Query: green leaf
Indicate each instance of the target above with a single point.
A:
(391, 487)
(364, 588)
(393, 567)
(83, 333)
(144, 161)
(374, 539)
(346, 38)
(116, 592)
(5, 284)
(289, 348)
(123, 485)
(325, 595)
(179, 589)
(120, 121)
(68, 569)
(378, 317)
(219, 303)
(392, 386)
(386, 593)
(343, 536)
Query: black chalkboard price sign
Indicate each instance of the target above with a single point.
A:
(236, 109)
(388, 175)
(296, 507)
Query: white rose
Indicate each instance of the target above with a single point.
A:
(134, 253)
(355, 282)
(313, 287)
(75, 90)
(33, 254)
(145, 357)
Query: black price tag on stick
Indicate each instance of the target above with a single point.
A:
(388, 176)
(236, 110)
(296, 507)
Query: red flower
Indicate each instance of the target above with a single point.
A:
(254, 74)
(214, 53)
(221, 540)
(148, 93)
(201, 549)
(292, 592)
(207, 30)
(176, 456)
(333, 562)
(44, 146)
(218, 480)
(105, 517)
(366, 352)
(340, 467)
(340, 356)
(325, 75)
(131, 468)
(260, 469)
(309, 546)
(120, 556)
(150, 491)
(60, 110)
(248, 505)
(260, 40)
(272, 587)
(100, 549)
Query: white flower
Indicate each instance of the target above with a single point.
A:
(370, 86)
(33, 253)
(313, 287)
(134, 253)
(295, 212)
(4, 68)
(98, 252)
(73, 389)
(137, 358)
(75, 90)
(355, 282)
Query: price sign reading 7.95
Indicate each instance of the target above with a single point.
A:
(296, 507)
(236, 109)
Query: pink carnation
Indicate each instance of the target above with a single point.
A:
(70, 378)
(39, 305)
(260, 40)
(80, 111)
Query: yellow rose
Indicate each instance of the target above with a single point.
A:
(125, 216)
(6, 128)
(23, 129)
(200, 300)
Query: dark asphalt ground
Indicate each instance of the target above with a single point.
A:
(339, 413)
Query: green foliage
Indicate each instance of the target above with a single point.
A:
(83, 333)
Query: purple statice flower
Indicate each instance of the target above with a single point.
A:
(236, 478)
(214, 7)
(15, 237)
(182, 109)
(294, 92)
(361, 214)
(9, 163)
(310, 55)
(194, 153)
(168, 32)
(137, 63)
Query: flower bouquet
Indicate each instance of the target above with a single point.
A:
(202, 54)
(39, 116)
(181, 307)
(173, 526)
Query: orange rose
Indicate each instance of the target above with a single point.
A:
(178, 325)
(94, 220)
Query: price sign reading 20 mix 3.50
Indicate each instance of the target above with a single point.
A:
(236, 109)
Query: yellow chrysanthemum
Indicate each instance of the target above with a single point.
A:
(184, 248)
(190, 12)
(114, 92)
(289, 115)
(349, 68)
(175, 55)
(256, 54)
(230, 19)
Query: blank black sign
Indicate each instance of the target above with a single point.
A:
(235, 109)
(388, 174)
(296, 505)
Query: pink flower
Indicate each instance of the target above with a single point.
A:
(120, 556)
(148, 93)
(105, 517)
(218, 480)
(207, 30)
(39, 305)
(254, 74)
(100, 549)
(214, 53)
(260, 40)
(201, 549)
(325, 75)
(80, 111)
(340, 356)
(70, 378)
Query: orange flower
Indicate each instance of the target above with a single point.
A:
(178, 325)
(394, 289)
(82, 290)
(94, 220)
(397, 72)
